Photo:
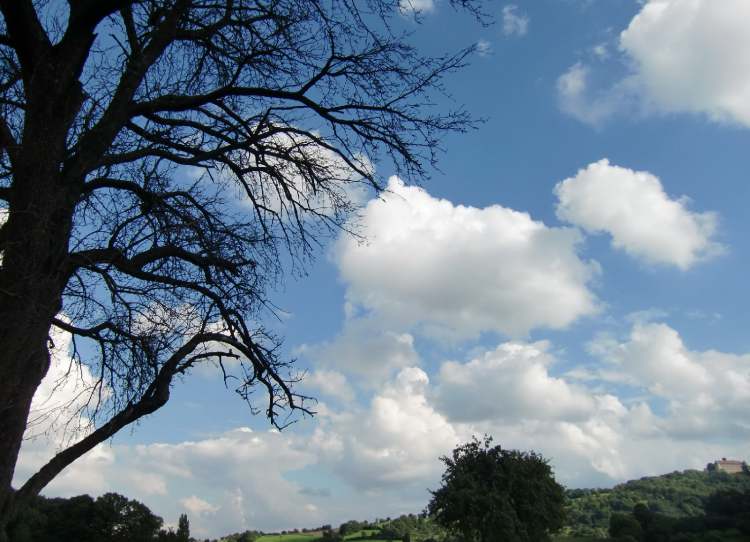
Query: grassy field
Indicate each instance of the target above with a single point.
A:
(358, 535)
(316, 535)
(290, 537)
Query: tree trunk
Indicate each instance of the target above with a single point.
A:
(23, 363)
(32, 278)
(33, 272)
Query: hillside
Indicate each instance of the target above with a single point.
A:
(678, 494)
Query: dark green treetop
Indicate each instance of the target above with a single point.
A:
(491, 494)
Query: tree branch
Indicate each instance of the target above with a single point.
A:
(155, 397)
(26, 33)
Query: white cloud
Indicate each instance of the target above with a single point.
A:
(58, 418)
(407, 7)
(198, 506)
(299, 159)
(693, 56)
(641, 218)
(689, 56)
(514, 23)
(386, 452)
(707, 393)
(364, 350)
(232, 472)
(577, 99)
(330, 384)
(455, 271)
(484, 47)
(469, 391)
(600, 51)
(396, 441)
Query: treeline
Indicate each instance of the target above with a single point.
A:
(109, 518)
(676, 495)
(725, 518)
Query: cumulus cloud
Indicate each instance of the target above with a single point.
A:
(514, 23)
(330, 384)
(471, 392)
(598, 437)
(386, 452)
(577, 99)
(681, 56)
(642, 219)
(592, 435)
(455, 271)
(231, 472)
(693, 56)
(407, 7)
(706, 392)
(364, 350)
(224, 469)
(198, 506)
(58, 418)
(311, 180)
(396, 441)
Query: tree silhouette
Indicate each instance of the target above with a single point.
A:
(161, 163)
(183, 529)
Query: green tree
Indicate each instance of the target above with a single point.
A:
(161, 163)
(125, 520)
(183, 529)
(489, 494)
(622, 526)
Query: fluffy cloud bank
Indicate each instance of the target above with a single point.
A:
(457, 271)
(688, 56)
(605, 427)
(511, 382)
(396, 441)
(222, 481)
(641, 218)
(597, 427)
(707, 393)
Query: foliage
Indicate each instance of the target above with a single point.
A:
(624, 525)
(727, 517)
(109, 518)
(490, 494)
(329, 535)
(677, 495)
(183, 529)
(245, 536)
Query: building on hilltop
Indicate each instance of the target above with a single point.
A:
(731, 466)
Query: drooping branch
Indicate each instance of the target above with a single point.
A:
(157, 396)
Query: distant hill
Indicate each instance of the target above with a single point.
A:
(679, 494)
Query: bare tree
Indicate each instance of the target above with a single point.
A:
(162, 161)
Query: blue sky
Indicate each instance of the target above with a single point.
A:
(572, 280)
